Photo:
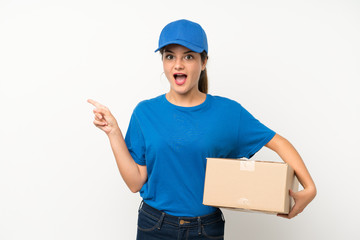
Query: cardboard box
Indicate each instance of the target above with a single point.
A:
(240, 184)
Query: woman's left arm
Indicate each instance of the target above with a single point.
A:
(289, 155)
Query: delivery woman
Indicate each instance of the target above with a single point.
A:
(163, 155)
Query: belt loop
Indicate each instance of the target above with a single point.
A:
(142, 202)
(199, 223)
(161, 220)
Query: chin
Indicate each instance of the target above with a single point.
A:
(181, 91)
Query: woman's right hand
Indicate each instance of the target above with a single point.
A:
(103, 118)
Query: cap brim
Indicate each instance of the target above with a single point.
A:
(182, 43)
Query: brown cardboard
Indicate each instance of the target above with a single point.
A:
(240, 184)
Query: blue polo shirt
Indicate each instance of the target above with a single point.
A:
(174, 142)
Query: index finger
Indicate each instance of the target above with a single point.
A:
(96, 104)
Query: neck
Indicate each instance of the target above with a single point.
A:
(186, 100)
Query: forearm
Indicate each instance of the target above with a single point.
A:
(126, 164)
(288, 154)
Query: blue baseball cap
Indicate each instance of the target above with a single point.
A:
(186, 33)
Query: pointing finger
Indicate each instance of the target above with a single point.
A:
(96, 104)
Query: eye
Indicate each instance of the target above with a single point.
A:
(169, 57)
(189, 57)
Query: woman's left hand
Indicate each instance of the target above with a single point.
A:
(302, 199)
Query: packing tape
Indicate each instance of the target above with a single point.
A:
(247, 165)
(243, 202)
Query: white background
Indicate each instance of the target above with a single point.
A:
(295, 65)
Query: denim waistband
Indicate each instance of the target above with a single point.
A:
(181, 221)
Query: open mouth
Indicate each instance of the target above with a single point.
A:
(180, 78)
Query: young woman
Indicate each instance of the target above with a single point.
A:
(170, 136)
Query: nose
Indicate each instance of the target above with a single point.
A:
(179, 64)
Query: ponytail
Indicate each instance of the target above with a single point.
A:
(203, 80)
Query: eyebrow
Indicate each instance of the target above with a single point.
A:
(173, 52)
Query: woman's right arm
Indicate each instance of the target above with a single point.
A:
(134, 175)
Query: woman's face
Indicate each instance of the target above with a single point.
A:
(182, 68)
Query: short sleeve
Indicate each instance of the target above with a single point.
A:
(134, 140)
(252, 135)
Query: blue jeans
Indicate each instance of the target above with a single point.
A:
(155, 224)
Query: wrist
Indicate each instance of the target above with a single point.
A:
(115, 132)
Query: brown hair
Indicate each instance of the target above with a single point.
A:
(203, 80)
